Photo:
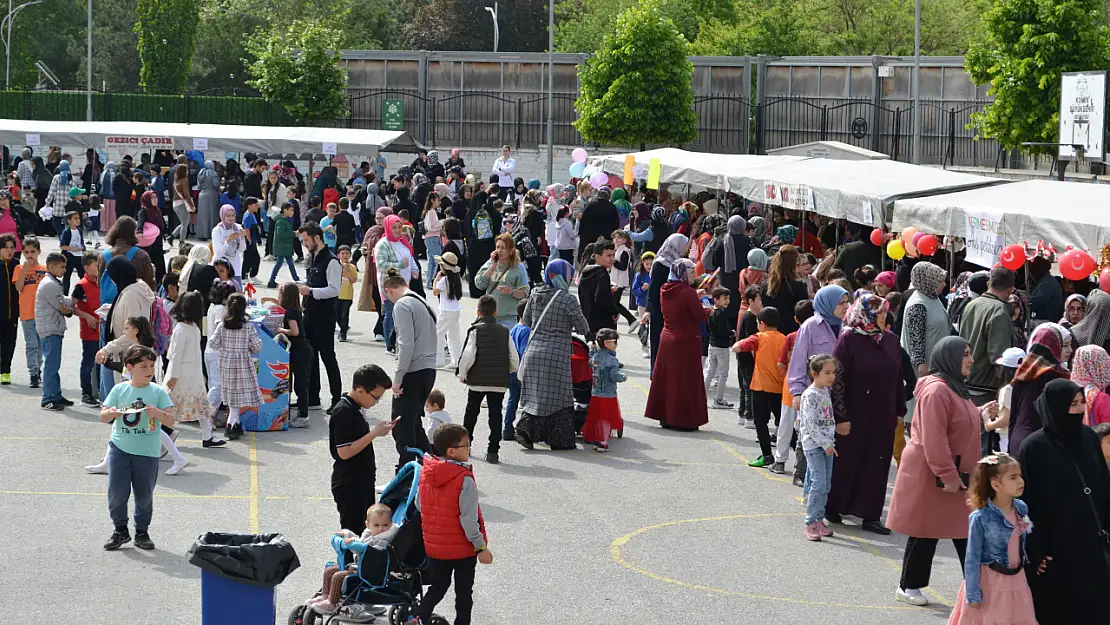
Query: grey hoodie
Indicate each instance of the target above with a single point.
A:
(49, 320)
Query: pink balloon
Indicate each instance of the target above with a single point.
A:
(917, 237)
(599, 179)
(1104, 280)
(615, 182)
(579, 155)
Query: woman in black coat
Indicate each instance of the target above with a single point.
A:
(1067, 550)
(122, 185)
(478, 251)
(782, 289)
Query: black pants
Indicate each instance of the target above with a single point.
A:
(379, 327)
(298, 372)
(73, 263)
(989, 442)
(628, 316)
(409, 408)
(535, 270)
(352, 501)
(251, 261)
(344, 316)
(442, 571)
(8, 333)
(270, 241)
(320, 332)
(917, 562)
(157, 255)
(494, 401)
(765, 404)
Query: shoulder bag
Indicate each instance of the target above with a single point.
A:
(520, 366)
(1103, 535)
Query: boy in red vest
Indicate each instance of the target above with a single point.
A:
(454, 530)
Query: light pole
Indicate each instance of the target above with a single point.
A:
(9, 18)
(493, 11)
(88, 63)
(550, 91)
(917, 82)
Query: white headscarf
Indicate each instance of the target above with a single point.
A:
(672, 249)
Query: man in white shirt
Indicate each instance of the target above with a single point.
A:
(505, 167)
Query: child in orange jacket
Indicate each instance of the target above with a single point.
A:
(767, 380)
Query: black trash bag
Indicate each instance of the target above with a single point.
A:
(257, 559)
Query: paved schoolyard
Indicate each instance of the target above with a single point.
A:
(665, 528)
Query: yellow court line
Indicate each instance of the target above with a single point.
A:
(616, 548)
(254, 526)
(105, 494)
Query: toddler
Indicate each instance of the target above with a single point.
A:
(720, 340)
(347, 280)
(604, 415)
(434, 409)
(379, 533)
(818, 438)
(640, 286)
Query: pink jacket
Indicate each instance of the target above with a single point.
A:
(945, 426)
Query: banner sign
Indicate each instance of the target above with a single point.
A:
(139, 144)
(393, 114)
(1083, 114)
(984, 238)
(797, 197)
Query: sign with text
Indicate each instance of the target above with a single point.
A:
(33, 140)
(200, 144)
(330, 149)
(393, 114)
(139, 144)
(985, 238)
(797, 197)
(1083, 114)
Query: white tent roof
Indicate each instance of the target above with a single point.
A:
(221, 138)
(699, 169)
(1061, 213)
(860, 191)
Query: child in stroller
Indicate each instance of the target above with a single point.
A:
(385, 574)
(582, 379)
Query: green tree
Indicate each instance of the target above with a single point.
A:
(636, 88)
(300, 70)
(465, 25)
(772, 27)
(581, 24)
(1027, 45)
(167, 32)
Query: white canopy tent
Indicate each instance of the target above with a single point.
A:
(220, 138)
(698, 169)
(1061, 213)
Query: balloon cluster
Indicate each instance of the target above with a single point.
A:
(912, 242)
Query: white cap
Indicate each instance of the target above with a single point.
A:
(1011, 358)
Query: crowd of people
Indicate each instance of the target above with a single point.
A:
(850, 365)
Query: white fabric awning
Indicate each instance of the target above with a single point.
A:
(220, 138)
(1061, 213)
(698, 169)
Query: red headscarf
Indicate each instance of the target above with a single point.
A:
(153, 213)
(388, 225)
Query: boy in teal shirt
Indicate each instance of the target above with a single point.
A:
(137, 409)
(328, 226)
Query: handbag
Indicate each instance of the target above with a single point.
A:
(543, 313)
(1102, 533)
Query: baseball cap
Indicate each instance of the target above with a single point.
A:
(1011, 358)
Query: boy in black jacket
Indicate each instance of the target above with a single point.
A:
(721, 338)
(595, 291)
(9, 306)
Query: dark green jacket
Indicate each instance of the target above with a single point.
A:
(283, 238)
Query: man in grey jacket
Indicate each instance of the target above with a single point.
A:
(987, 326)
(51, 308)
(414, 324)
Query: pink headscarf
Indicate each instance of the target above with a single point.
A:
(388, 225)
(224, 211)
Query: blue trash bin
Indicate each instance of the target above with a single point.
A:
(224, 601)
(239, 573)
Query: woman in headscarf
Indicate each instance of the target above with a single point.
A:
(1075, 309)
(671, 250)
(1044, 362)
(461, 204)
(123, 185)
(968, 286)
(106, 187)
(133, 296)
(677, 395)
(1091, 371)
(198, 274)
(435, 169)
(58, 195)
(758, 227)
(480, 240)
(816, 336)
(943, 448)
(393, 251)
(43, 179)
(369, 297)
(1020, 319)
(546, 397)
(1094, 329)
(731, 259)
(229, 240)
(208, 202)
(869, 397)
(624, 207)
(785, 235)
(149, 213)
(652, 237)
(925, 320)
(1067, 489)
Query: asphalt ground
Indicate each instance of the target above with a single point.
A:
(667, 527)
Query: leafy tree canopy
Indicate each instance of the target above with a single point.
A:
(167, 32)
(300, 70)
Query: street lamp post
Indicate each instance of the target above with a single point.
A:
(917, 82)
(88, 64)
(9, 18)
(550, 91)
(493, 11)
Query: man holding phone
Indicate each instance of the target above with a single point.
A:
(350, 440)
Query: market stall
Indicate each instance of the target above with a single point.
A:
(697, 169)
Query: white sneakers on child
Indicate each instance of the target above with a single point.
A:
(178, 467)
(97, 469)
(912, 596)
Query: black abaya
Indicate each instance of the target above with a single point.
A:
(659, 275)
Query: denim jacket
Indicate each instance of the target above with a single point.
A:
(988, 541)
(607, 373)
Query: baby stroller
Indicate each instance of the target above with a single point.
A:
(390, 577)
(582, 380)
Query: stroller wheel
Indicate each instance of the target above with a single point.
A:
(438, 620)
(398, 614)
(620, 433)
(296, 617)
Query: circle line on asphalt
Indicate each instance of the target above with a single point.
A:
(617, 546)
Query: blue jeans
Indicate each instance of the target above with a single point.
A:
(819, 468)
(387, 323)
(89, 369)
(127, 473)
(434, 245)
(32, 347)
(514, 400)
(288, 260)
(52, 363)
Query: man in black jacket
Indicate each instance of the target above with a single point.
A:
(252, 181)
(599, 219)
(595, 291)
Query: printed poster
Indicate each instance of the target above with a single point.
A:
(984, 238)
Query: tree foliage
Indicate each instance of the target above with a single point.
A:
(1028, 44)
(636, 89)
(465, 25)
(167, 32)
(582, 24)
(300, 70)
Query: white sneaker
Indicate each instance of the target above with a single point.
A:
(912, 596)
(177, 468)
(378, 338)
(645, 352)
(379, 489)
(97, 469)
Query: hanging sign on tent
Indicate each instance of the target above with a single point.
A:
(867, 214)
(200, 144)
(116, 147)
(985, 238)
(33, 140)
(789, 196)
(640, 171)
(655, 171)
(330, 149)
(629, 169)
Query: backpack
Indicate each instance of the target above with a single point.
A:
(161, 325)
(483, 226)
(108, 289)
(523, 239)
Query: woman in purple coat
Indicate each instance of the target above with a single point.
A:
(868, 398)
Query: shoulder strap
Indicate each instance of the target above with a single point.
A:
(422, 301)
(543, 314)
(1103, 534)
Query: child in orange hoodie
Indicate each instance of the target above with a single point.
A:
(767, 381)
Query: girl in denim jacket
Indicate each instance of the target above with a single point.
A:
(995, 589)
(604, 416)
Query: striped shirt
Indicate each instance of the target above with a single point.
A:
(26, 174)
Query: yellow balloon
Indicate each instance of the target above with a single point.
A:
(895, 250)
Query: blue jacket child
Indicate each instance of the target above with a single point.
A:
(988, 541)
(607, 372)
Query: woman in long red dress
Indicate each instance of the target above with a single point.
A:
(677, 396)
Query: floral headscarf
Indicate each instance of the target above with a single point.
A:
(1076, 297)
(759, 230)
(658, 213)
(1044, 353)
(927, 279)
(433, 157)
(863, 319)
(672, 249)
(680, 270)
(1091, 368)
